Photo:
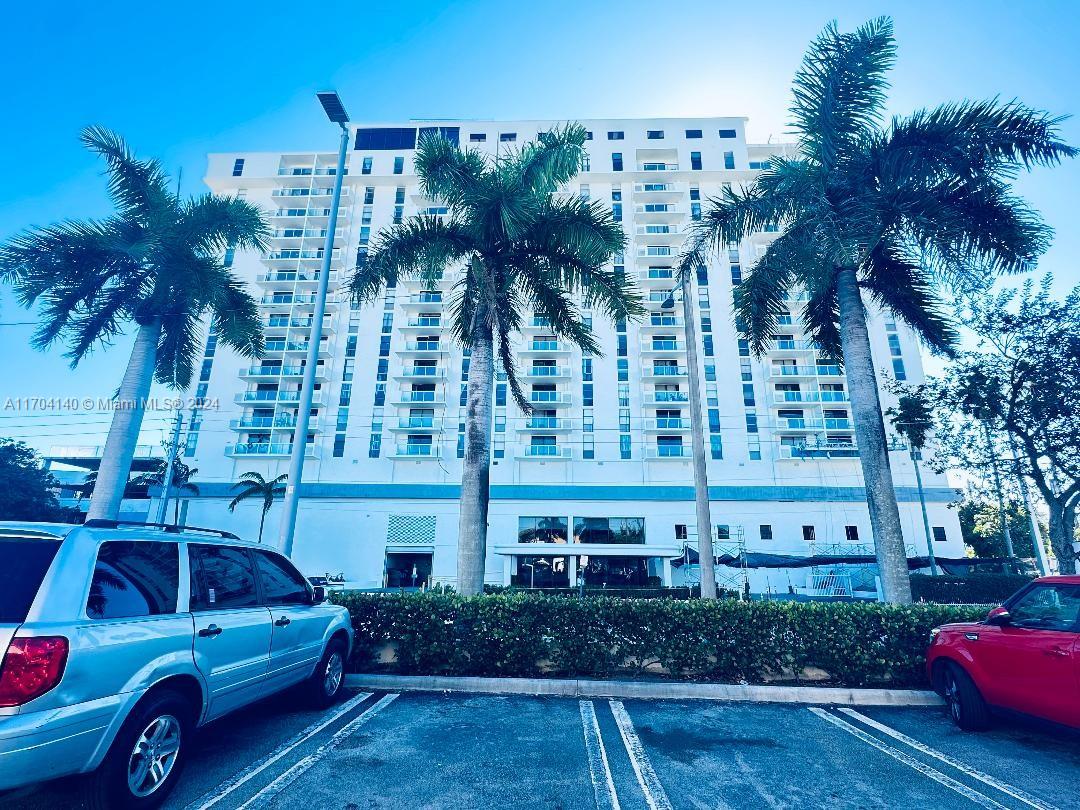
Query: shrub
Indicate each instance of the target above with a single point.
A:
(529, 635)
(974, 589)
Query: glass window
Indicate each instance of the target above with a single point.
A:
(365, 166)
(851, 533)
(728, 133)
(609, 530)
(282, 584)
(615, 135)
(221, 577)
(134, 579)
(25, 562)
(542, 529)
(654, 134)
(693, 133)
(939, 534)
(238, 167)
(1047, 607)
(399, 165)
(729, 160)
(695, 161)
(616, 162)
(765, 531)
(477, 137)
(507, 137)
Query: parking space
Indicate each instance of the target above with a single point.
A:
(428, 750)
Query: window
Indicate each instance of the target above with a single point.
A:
(1047, 607)
(134, 579)
(616, 162)
(365, 167)
(616, 135)
(716, 447)
(681, 532)
(507, 137)
(282, 584)
(729, 160)
(238, 167)
(765, 531)
(898, 369)
(221, 577)
(939, 534)
(384, 138)
(654, 134)
(624, 447)
(399, 165)
(230, 256)
(609, 530)
(851, 534)
(693, 133)
(477, 137)
(542, 529)
(808, 534)
(695, 161)
(728, 133)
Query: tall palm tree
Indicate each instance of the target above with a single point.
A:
(522, 249)
(181, 482)
(885, 213)
(155, 264)
(253, 485)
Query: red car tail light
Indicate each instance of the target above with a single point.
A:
(31, 667)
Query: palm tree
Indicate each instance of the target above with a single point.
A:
(181, 482)
(523, 249)
(884, 213)
(911, 419)
(157, 264)
(253, 485)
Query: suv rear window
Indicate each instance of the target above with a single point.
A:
(134, 579)
(25, 561)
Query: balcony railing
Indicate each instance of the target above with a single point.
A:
(547, 371)
(811, 451)
(782, 397)
(296, 275)
(433, 423)
(549, 397)
(268, 423)
(667, 423)
(669, 396)
(267, 449)
(544, 451)
(421, 396)
(663, 346)
(272, 371)
(417, 450)
(664, 371)
(805, 371)
(668, 451)
(547, 423)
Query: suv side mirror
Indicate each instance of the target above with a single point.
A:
(318, 595)
(998, 617)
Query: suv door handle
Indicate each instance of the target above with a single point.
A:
(284, 621)
(1058, 651)
(210, 632)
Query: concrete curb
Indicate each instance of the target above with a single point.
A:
(666, 690)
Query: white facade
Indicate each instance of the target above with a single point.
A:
(609, 438)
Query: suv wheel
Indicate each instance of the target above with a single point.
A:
(966, 705)
(145, 760)
(324, 685)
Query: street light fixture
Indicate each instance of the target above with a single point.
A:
(335, 111)
(706, 560)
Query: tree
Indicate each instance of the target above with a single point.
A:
(1017, 393)
(980, 525)
(26, 488)
(181, 481)
(253, 485)
(880, 213)
(155, 264)
(523, 248)
(911, 418)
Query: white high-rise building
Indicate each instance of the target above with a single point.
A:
(596, 483)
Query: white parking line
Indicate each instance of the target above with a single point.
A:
(251, 771)
(599, 770)
(646, 776)
(1004, 787)
(287, 777)
(911, 762)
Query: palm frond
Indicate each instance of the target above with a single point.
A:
(210, 223)
(839, 91)
(235, 314)
(139, 188)
(759, 300)
(821, 315)
(554, 158)
(179, 346)
(446, 172)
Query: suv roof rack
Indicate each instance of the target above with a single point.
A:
(102, 523)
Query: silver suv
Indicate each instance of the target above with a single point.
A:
(118, 640)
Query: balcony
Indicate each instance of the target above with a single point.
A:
(421, 347)
(808, 372)
(417, 423)
(308, 171)
(292, 192)
(429, 398)
(295, 254)
(296, 347)
(550, 399)
(432, 322)
(799, 425)
(821, 450)
(279, 422)
(657, 166)
(295, 276)
(662, 277)
(661, 399)
(267, 450)
(544, 347)
(788, 397)
(656, 252)
(546, 424)
(660, 189)
(665, 211)
(666, 425)
(305, 233)
(283, 397)
(668, 452)
(656, 346)
(303, 213)
(650, 371)
(423, 299)
(417, 452)
(421, 372)
(780, 346)
(546, 372)
(660, 231)
(277, 372)
(543, 452)
(536, 323)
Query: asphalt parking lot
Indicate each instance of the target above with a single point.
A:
(431, 750)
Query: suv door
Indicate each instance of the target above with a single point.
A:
(232, 630)
(1030, 663)
(298, 625)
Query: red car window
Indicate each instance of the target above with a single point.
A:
(1048, 607)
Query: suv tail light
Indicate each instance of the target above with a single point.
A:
(31, 667)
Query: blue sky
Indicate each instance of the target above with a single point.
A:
(183, 80)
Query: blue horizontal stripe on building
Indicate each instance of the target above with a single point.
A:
(557, 492)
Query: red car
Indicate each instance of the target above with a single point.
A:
(1024, 657)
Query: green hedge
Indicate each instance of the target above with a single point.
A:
(728, 641)
(974, 589)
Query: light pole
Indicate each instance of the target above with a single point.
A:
(915, 456)
(697, 438)
(170, 463)
(335, 111)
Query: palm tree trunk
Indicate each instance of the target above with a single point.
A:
(126, 423)
(476, 473)
(697, 444)
(870, 435)
(1063, 534)
(262, 520)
